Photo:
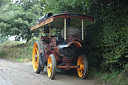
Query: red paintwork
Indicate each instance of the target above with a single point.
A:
(53, 41)
(68, 67)
(51, 48)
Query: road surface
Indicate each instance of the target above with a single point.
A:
(13, 73)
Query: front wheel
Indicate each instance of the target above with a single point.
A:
(51, 66)
(83, 66)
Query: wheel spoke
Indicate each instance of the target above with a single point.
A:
(82, 66)
(36, 49)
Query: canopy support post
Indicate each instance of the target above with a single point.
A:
(82, 29)
(65, 29)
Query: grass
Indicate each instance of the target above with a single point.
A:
(113, 78)
(17, 51)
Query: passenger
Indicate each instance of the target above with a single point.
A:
(73, 32)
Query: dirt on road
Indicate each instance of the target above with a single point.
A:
(13, 73)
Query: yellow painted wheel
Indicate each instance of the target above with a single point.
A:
(51, 66)
(83, 66)
(35, 58)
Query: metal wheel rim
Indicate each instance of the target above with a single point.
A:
(49, 67)
(35, 60)
(80, 62)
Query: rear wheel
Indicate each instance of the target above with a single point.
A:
(51, 66)
(83, 63)
(35, 58)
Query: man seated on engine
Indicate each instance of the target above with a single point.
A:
(71, 32)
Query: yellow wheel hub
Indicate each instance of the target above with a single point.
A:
(35, 57)
(49, 66)
(80, 62)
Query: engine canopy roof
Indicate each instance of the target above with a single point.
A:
(58, 20)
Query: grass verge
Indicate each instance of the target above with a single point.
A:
(113, 78)
(17, 51)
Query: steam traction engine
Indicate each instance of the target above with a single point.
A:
(60, 44)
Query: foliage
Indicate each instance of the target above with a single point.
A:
(17, 18)
(63, 5)
(111, 37)
(3, 39)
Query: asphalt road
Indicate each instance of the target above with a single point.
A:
(13, 73)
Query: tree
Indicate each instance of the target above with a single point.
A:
(19, 17)
(59, 6)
